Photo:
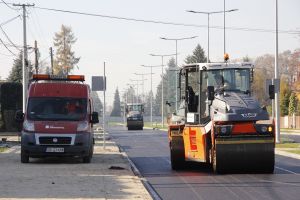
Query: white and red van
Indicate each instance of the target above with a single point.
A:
(59, 118)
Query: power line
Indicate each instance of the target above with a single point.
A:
(167, 23)
(3, 54)
(10, 20)
(9, 6)
(4, 33)
(7, 47)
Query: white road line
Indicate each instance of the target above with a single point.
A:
(287, 170)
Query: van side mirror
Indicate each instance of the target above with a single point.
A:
(94, 118)
(210, 93)
(272, 91)
(19, 116)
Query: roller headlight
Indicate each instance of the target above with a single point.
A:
(264, 128)
(223, 130)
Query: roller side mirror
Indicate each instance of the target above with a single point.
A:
(210, 93)
(271, 91)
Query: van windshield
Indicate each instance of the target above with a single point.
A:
(56, 108)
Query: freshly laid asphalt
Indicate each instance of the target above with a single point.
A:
(149, 151)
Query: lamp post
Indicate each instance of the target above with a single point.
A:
(277, 78)
(208, 15)
(133, 94)
(151, 99)
(162, 83)
(177, 39)
(143, 74)
(137, 88)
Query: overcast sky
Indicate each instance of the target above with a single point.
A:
(125, 45)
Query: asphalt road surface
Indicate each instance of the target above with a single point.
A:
(149, 151)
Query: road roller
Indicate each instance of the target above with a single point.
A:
(219, 121)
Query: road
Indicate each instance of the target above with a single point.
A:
(149, 151)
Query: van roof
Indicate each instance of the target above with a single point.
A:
(58, 89)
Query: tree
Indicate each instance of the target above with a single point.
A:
(285, 93)
(198, 56)
(170, 87)
(116, 111)
(65, 59)
(246, 59)
(292, 104)
(16, 74)
(147, 107)
(98, 106)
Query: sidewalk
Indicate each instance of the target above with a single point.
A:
(108, 176)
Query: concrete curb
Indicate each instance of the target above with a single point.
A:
(135, 170)
(287, 154)
(290, 133)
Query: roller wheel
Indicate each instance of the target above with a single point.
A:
(216, 166)
(177, 153)
(269, 166)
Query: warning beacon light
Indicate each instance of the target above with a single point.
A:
(37, 77)
(226, 57)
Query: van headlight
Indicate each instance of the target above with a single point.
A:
(28, 126)
(82, 126)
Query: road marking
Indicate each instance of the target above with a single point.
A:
(287, 170)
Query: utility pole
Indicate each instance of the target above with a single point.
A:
(104, 105)
(277, 78)
(51, 57)
(25, 56)
(36, 63)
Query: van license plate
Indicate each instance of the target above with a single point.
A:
(55, 150)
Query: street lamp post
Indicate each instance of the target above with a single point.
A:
(151, 99)
(208, 15)
(162, 84)
(137, 87)
(143, 91)
(176, 39)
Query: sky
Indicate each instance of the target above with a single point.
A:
(125, 45)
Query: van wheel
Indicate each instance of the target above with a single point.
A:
(24, 157)
(87, 159)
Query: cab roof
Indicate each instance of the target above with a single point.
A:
(212, 66)
(134, 104)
